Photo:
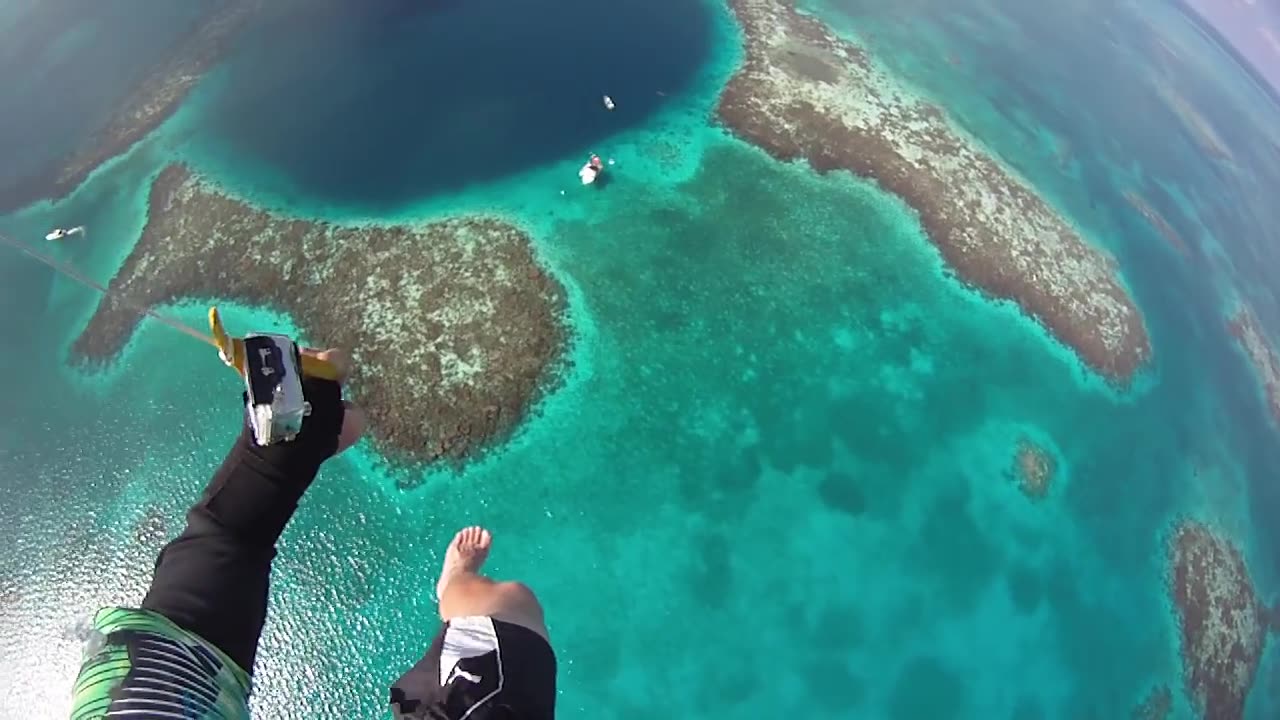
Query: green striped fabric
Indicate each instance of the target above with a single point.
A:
(138, 664)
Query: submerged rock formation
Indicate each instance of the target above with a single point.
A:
(1199, 128)
(804, 93)
(1158, 705)
(1223, 625)
(454, 325)
(156, 96)
(1266, 365)
(1034, 469)
(1158, 223)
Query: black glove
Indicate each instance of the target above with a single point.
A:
(316, 442)
(256, 490)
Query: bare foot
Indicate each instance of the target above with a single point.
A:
(467, 552)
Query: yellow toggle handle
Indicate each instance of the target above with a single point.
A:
(315, 367)
(232, 352)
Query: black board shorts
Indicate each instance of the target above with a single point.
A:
(478, 668)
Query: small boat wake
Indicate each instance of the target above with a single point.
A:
(60, 233)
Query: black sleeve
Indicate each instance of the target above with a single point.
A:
(256, 490)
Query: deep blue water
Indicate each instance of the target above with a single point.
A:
(352, 101)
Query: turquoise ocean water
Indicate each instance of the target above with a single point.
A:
(775, 481)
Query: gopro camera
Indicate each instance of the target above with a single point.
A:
(273, 378)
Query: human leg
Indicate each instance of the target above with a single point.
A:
(491, 659)
(463, 591)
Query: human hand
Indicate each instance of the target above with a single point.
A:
(353, 418)
(340, 360)
(331, 427)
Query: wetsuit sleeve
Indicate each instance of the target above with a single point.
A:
(212, 580)
(256, 489)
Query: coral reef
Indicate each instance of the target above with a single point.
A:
(454, 325)
(156, 96)
(1223, 625)
(1159, 223)
(1266, 365)
(802, 92)
(1034, 468)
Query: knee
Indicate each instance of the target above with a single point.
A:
(517, 595)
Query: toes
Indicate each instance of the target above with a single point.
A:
(469, 540)
(476, 538)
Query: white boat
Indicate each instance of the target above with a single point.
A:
(588, 174)
(59, 233)
(608, 103)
